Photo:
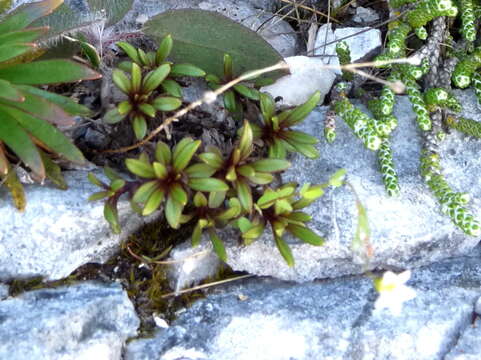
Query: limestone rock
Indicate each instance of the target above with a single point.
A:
(306, 76)
(79, 322)
(362, 46)
(59, 230)
(268, 319)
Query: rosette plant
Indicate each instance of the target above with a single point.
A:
(28, 114)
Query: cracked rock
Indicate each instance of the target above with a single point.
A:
(267, 319)
(79, 322)
(59, 230)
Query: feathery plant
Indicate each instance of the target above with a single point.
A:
(29, 115)
(212, 187)
(431, 103)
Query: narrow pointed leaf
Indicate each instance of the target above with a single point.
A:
(299, 136)
(12, 134)
(261, 178)
(9, 92)
(216, 198)
(47, 72)
(268, 106)
(200, 200)
(16, 189)
(26, 14)
(22, 36)
(212, 159)
(135, 77)
(99, 195)
(113, 116)
(95, 180)
(53, 171)
(245, 143)
(247, 92)
(160, 170)
(11, 51)
(67, 104)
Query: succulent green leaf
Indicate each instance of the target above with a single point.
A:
(165, 47)
(200, 171)
(171, 87)
(244, 194)
(178, 194)
(243, 224)
(253, 233)
(163, 153)
(53, 171)
(218, 245)
(305, 234)
(154, 201)
(216, 198)
(113, 116)
(293, 136)
(111, 174)
(270, 165)
(99, 195)
(111, 215)
(200, 200)
(245, 143)
(299, 216)
(13, 184)
(154, 78)
(284, 250)
(230, 102)
(247, 92)
(196, 235)
(337, 179)
(144, 191)
(183, 156)
(199, 45)
(139, 124)
(95, 180)
(208, 184)
(167, 103)
(301, 112)
(187, 70)
(268, 106)
(140, 168)
(211, 158)
(261, 178)
(173, 212)
(246, 170)
(130, 51)
(160, 170)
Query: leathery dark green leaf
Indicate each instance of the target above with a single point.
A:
(154, 201)
(173, 212)
(144, 191)
(183, 157)
(207, 184)
(305, 234)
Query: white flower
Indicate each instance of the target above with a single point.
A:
(393, 291)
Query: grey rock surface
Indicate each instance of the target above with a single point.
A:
(267, 319)
(80, 322)
(59, 230)
(253, 14)
(406, 231)
(3, 291)
(365, 15)
(363, 42)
